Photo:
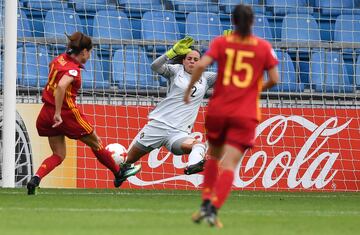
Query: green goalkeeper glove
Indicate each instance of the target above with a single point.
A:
(227, 32)
(180, 48)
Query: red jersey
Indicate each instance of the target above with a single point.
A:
(62, 65)
(241, 65)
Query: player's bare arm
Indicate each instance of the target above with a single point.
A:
(200, 67)
(273, 75)
(59, 94)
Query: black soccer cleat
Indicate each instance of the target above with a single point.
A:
(199, 215)
(195, 168)
(211, 217)
(126, 170)
(32, 185)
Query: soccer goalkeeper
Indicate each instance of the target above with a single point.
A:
(171, 122)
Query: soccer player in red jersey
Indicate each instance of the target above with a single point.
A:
(233, 111)
(60, 116)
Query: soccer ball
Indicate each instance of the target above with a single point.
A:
(118, 151)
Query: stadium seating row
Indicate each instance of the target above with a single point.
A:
(274, 12)
(276, 20)
(131, 69)
(278, 7)
(162, 25)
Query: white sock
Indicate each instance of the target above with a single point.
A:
(197, 154)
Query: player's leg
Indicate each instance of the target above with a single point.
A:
(240, 136)
(196, 151)
(214, 153)
(136, 152)
(222, 186)
(146, 140)
(128, 168)
(58, 147)
(216, 127)
(104, 156)
(150, 137)
(224, 182)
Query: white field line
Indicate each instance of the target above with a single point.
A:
(318, 213)
(145, 193)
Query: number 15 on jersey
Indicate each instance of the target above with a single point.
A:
(237, 56)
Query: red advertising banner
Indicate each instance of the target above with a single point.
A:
(296, 149)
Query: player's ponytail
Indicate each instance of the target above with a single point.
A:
(243, 18)
(78, 42)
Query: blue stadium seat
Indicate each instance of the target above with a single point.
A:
(92, 76)
(262, 28)
(283, 7)
(131, 69)
(112, 25)
(45, 4)
(195, 6)
(93, 5)
(299, 28)
(32, 66)
(23, 25)
(228, 5)
(159, 26)
(329, 73)
(141, 5)
(336, 7)
(288, 78)
(347, 28)
(203, 26)
(58, 22)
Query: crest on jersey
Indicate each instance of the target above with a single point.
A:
(73, 72)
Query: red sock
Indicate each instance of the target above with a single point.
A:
(48, 165)
(210, 176)
(222, 188)
(104, 156)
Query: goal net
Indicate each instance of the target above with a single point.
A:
(308, 138)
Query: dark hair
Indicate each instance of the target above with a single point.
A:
(78, 42)
(179, 59)
(242, 19)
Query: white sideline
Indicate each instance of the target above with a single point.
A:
(187, 211)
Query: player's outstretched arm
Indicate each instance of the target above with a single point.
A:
(161, 66)
(200, 67)
(273, 75)
(182, 47)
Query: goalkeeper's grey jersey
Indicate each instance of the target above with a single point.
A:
(172, 110)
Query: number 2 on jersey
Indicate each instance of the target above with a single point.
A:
(229, 76)
(194, 89)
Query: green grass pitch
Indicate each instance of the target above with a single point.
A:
(65, 211)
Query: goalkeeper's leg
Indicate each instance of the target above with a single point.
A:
(128, 169)
(196, 151)
(196, 159)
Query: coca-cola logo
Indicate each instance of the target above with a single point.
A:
(261, 165)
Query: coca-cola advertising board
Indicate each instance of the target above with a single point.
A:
(296, 149)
